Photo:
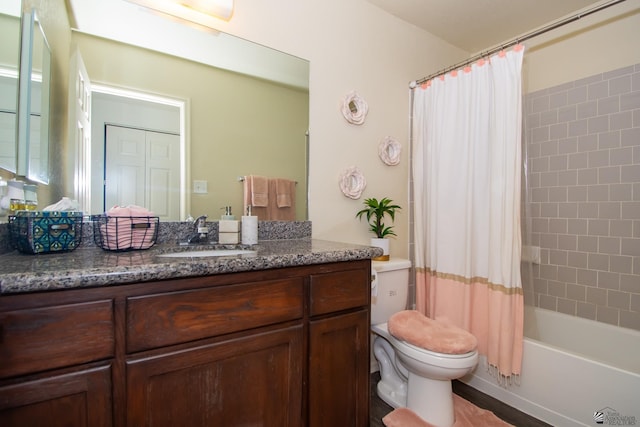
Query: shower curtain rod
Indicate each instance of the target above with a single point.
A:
(517, 40)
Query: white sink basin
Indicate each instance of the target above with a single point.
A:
(208, 253)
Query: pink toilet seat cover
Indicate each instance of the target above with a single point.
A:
(438, 336)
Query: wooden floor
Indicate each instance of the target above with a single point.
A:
(511, 415)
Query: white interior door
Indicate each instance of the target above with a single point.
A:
(143, 169)
(163, 174)
(125, 158)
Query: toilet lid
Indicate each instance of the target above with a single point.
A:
(438, 336)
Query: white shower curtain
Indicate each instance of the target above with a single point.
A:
(466, 182)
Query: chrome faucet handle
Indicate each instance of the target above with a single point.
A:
(200, 221)
(201, 226)
(200, 231)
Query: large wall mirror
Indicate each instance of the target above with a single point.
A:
(235, 108)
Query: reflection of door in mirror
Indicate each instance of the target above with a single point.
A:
(9, 53)
(142, 117)
(143, 169)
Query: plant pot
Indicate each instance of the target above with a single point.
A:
(381, 243)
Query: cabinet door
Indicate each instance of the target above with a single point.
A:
(72, 399)
(339, 371)
(254, 380)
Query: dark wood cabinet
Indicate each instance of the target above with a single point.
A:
(38, 338)
(59, 399)
(281, 347)
(255, 380)
(338, 361)
(339, 348)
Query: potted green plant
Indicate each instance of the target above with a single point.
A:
(375, 211)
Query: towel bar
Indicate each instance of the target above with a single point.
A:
(242, 178)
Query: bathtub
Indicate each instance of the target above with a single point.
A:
(571, 369)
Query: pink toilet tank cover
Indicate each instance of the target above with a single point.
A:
(438, 336)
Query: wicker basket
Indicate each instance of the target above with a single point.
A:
(125, 233)
(36, 232)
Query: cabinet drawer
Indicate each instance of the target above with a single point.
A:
(37, 339)
(177, 317)
(340, 290)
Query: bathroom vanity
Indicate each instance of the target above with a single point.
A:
(278, 339)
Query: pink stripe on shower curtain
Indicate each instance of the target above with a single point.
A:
(493, 315)
(466, 185)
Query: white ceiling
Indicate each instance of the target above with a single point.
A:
(476, 25)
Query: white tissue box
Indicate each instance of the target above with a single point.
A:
(228, 226)
(228, 238)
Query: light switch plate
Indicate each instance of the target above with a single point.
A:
(200, 187)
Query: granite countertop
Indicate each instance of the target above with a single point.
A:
(92, 266)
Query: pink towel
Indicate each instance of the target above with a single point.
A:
(275, 204)
(259, 191)
(285, 192)
(128, 227)
(113, 237)
(276, 213)
(260, 212)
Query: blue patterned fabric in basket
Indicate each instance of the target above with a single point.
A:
(36, 232)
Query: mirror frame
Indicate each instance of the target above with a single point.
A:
(25, 164)
(9, 72)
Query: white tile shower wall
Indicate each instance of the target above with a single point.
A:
(583, 141)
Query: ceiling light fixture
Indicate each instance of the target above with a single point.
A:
(203, 12)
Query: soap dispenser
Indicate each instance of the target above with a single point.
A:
(228, 228)
(249, 233)
(227, 213)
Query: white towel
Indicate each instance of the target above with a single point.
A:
(65, 204)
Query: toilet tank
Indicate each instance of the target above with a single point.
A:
(389, 288)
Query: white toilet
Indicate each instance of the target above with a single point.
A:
(411, 376)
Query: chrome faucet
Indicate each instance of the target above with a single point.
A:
(200, 230)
